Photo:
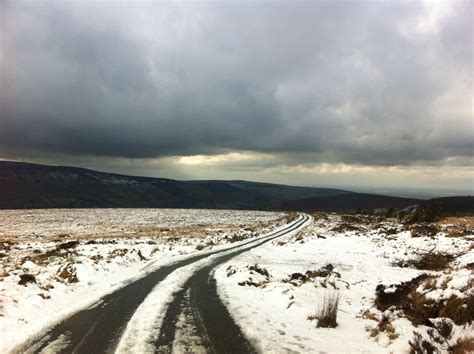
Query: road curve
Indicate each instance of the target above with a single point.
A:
(99, 328)
(198, 321)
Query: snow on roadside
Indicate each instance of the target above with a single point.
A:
(274, 291)
(72, 272)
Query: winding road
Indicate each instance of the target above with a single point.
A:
(196, 318)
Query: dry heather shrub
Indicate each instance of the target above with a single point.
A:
(384, 326)
(460, 310)
(319, 215)
(428, 261)
(327, 310)
(420, 230)
(419, 345)
(464, 346)
(27, 278)
(398, 294)
(235, 238)
(290, 216)
(440, 339)
(67, 273)
(418, 308)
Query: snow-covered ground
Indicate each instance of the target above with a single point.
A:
(46, 224)
(55, 262)
(274, 291)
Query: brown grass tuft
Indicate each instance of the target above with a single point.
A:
(27, 278)
(418, 309)
(290, 216)
(327, 310)
(428, 261)
(384, 326)
(424, 229)
(464, 346)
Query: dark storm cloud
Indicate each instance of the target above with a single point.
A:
(374, 83)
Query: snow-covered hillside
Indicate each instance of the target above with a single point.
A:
(274, 292)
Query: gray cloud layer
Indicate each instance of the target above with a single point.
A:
(366, 82)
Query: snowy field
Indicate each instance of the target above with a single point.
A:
(55, 262)
(400, 287)
(274, 291)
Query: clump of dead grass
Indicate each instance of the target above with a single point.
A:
(384, 326)
(250, 281)
(67, 273)
(61, 251)
(397, 294)
(356, 219)
(424, 229)
(290, 216)
(419, 345)
(341, 228)
(27, 278)
(326, 312)
(419, 308)
(260, 270)
(235, 238)
(67, 245)
(326, 271)
(464, 345)
(439, 337)
(428, 261)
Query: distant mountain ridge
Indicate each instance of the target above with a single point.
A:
(26, 185)
(349, 202)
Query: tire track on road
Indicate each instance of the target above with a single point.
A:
(205, 316)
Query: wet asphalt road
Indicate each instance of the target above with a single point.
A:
(209, 317)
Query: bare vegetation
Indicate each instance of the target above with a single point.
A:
(384, 326)
(326, 271)
(424, 230)
(439, 337)
(346, 227)
(200, 247)
(67, 273)
(251, 282)
(290, 216)
(27, 278)
(419, 308)
(428, 261)
(260, 270)
(397, 294)
(464, 345)
(457, 226)
(235, 238)
(326, 313)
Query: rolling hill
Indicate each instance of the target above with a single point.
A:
(348, 202)
(25, 185)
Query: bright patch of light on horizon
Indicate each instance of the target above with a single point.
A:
(232, 157)
(358, 170)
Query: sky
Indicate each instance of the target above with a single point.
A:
(359, 93)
